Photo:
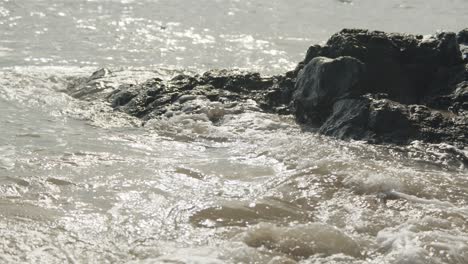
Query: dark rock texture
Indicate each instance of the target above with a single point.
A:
(363, 85)
(462, 36)
(322, 82)
(462, 39)
(406, 87)
(156, 97)
(406, 67)
(386, 121)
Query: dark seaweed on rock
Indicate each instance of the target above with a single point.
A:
(364, 85)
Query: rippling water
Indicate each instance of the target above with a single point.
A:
(264, 35)
(80, 183)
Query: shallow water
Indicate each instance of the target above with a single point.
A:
(80, 183)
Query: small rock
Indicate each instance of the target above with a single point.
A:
(101, 73)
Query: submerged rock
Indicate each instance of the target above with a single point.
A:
(363, 85)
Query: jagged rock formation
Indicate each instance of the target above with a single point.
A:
(364, 85)
(400, 88)
(157, 97)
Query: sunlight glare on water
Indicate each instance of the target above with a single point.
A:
(82, 183)
(267, 36)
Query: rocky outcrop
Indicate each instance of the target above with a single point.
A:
(190, 94)
(406, 67)
(363, 85)
(399, 88)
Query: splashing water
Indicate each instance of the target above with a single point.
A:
(82, 183)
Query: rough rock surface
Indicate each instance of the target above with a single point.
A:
(188, 93)
(409, 88)
(406, 67)
(462, 39)
(363, 85)
(324, 81)
(462, 36)
(156, 97)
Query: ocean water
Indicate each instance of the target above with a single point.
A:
(81, 183)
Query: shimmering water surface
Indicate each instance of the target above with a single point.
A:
(80, 183)
(264, 35)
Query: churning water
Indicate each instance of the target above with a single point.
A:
(80, 183)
